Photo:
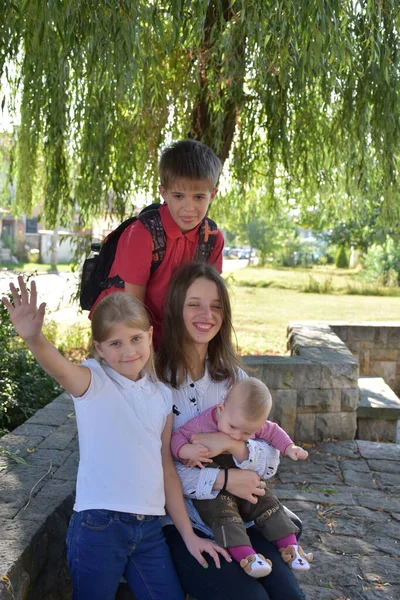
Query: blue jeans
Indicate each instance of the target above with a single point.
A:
(230, 582)
(104, 545)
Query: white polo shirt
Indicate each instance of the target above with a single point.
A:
(120, 423)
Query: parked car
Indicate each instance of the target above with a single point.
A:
(234, 252)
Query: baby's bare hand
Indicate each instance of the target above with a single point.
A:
(296, 452)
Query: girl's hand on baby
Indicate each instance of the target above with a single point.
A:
(196, 545)
(245, 484)
(296, 452)
(24, 314)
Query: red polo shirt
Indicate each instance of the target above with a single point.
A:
(134, 257)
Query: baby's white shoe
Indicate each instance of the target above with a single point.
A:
(256, 565)
(296, 558)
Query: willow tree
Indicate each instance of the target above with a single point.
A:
(299, 98)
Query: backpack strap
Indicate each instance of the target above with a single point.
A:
(151, 219)
(207, 238)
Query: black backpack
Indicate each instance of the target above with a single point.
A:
(97, 266)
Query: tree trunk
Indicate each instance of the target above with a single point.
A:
(206, 127)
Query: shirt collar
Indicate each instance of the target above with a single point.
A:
(123, 381)
(201, 385)
(171, 228)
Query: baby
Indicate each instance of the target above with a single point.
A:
(242, 416)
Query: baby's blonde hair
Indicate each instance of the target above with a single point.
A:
(120, 307)
(254, 398)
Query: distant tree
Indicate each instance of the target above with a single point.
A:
(300, 97)
(263, 236)
(342, 262)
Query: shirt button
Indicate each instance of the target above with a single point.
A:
(192, 385)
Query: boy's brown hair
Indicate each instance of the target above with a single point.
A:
(189, 159)
(255, 398)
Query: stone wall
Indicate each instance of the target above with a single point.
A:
(377, 348)
(315, 390)
(36, 499)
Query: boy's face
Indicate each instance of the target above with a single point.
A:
(188, 201)
(231, 420)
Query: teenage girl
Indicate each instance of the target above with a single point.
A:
(198, 362)
(126, 477)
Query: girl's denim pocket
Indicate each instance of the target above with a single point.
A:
(96, 520)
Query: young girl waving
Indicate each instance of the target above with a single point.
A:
(126, 476)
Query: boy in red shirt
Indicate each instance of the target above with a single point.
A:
(189, 172)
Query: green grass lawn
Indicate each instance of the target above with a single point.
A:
(265, 300)
(35, 267)
(261, 314)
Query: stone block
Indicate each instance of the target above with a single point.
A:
(387, 370)
(50, 497)
(347, 449)
(381, 336)
(20, 444)
(353, 346)
(318, 401)
(393, 338)
(305, 428)
(339, 426)
(68, 470)
(384, 466)
(60, 439)
(285, 408)
(362, 333)
(378, 451)
(34, 429)
(350, 399)
(293, 374)
(50, 416)
(364, 359)
(376, 430)
(342, 331)
(340, 375)
(366, 345)
(385, 354)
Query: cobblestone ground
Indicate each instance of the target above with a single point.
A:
(348, 496)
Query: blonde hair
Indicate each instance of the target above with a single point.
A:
(120, 307)
(255, 398)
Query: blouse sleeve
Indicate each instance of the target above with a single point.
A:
(197, 484)
(263, 459)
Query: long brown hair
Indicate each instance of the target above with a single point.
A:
(172, 362)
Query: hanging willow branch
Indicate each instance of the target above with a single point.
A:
(302, 98)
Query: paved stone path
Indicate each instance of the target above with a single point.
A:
(348, 496)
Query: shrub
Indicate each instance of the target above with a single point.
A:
(382, 263)
(24, 386)
(315, 287)
(342, 262)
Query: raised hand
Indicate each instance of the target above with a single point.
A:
(24, 314)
